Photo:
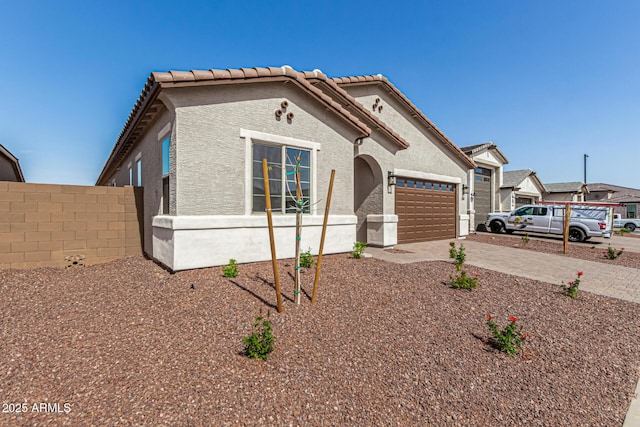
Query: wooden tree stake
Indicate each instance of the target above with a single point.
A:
(324, 232)
(296, 292)
(274, 260)
(565, 231)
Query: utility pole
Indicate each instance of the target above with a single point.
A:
(585, 168)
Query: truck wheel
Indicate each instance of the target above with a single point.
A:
(496, 226)
(576, 235)
(631, 226)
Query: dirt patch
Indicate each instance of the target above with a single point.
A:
(127, 343)
(586, 250)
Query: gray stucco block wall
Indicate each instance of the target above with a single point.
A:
(149, 151)
(425, 154)
(210, 152)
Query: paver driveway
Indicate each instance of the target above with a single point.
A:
(599, 278)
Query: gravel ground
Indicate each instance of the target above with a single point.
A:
(590, 251)
(127, 343)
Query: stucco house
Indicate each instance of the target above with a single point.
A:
(195, 140)
(626, 196)
(10, 169)
(565, 192)
(484, 182)
(520, 187)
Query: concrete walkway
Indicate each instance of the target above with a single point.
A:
(599, 278)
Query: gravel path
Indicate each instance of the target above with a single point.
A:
(127, 343)
(590, 251)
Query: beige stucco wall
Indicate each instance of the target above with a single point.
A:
(149, 151)
(210, 152)
(425, 154)
(528, 188)
(563, 197)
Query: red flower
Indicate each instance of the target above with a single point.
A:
(476, 275)
(513, 319)
(622, 249)
(580, 273)
(570, 283)
(489, 317)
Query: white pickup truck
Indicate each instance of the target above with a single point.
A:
(586, 222)
(628, 223)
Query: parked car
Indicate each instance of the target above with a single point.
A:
(586, 222)
(628, 223)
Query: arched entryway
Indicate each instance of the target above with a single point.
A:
(368, 192)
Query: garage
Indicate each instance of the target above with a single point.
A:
(426, 210)
(482, 195)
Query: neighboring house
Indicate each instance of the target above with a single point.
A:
(628, 197)
(565, 192)
(484, 182)
(195, 140)
(520, 187)
(9, 166)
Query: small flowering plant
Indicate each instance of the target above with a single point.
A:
(613, 253)
(510, 338)
(571, 288)
(462, 281)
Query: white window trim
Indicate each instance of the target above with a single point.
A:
(250, 135)
(130, 170)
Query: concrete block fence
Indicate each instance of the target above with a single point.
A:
(45, 225)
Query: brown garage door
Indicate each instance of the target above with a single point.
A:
(426, 210)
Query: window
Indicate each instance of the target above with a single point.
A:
(166, 142)
(139, 172)
(282, 161)
(130, 174)
(540, 211)
(524, 211)
(631, 211)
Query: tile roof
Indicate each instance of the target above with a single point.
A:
(564, 187)
(599, 186)
(14, 163)
(255, 74)
(348, 100)
(489, 145)
(145, 107)
(380, 79)
(159, 80)
(512, 179)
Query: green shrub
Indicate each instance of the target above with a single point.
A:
(358, 249)
(613, 253)
(230, 270)
(260, 343)
(510, 338)
(457, 255)
(306, 259)
(525, 238)
(462, 281)
(571, 288)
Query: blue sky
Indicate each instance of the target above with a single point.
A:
(548, 81)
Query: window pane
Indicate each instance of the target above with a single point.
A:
(139, 172)
(411, 183)
(436, 186)
(165, 156)
(275, 188)
(400, 182)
